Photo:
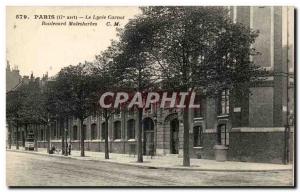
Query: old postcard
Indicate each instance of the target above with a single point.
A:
(150, 96)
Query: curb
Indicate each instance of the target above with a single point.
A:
(143, 166)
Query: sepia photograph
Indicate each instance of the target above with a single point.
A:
(150, 96)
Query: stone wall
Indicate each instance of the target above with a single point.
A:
(265, 147)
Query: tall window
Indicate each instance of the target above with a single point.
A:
(198, 136)
(223, 135)
(224, 103)
(93, 131)
(131, 129)
(103, 130)
(117, 130)
(75, 132)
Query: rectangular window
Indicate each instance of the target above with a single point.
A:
(223, 135)
(223, 107)
(198, 136)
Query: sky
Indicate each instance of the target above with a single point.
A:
(38, 49)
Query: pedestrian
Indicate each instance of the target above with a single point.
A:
(52, 149)
(67, 148)
(70, 148)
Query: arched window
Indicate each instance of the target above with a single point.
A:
(75, 132)
(93, 131)
(117, 130)
(198, 136)
(148, 144)
(131, 129)
(103, 130)
(148, 124)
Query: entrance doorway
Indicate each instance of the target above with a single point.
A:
(174, 130)
(148, 144)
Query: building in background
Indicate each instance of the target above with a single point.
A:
(13, 77)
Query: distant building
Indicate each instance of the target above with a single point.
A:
(13, 77)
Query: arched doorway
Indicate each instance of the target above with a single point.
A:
(148, 144)
(174, 139)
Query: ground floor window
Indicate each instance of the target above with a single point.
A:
(198, 136)
(131, 129)
(117, 130)
(223, 135)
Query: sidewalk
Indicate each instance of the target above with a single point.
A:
(168, 162)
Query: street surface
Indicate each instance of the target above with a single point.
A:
(24, 169)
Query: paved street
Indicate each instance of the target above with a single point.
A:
(24, 169)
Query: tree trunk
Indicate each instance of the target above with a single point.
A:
(81, 139)
(139, 136)
(106, 139)
(62, 130)
(186, 126)
(35, 138)
(66, 136)
(48, 136)
(106, 134)
(17, 136)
